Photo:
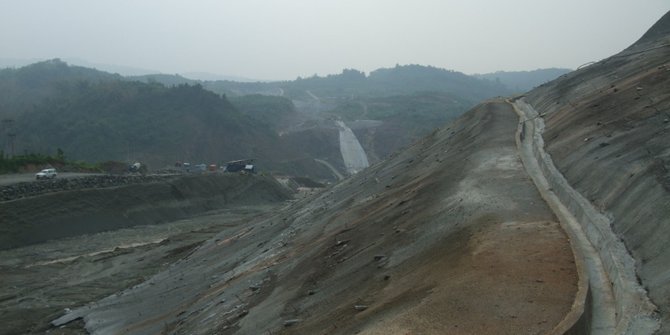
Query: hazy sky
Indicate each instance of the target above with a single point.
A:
(283, 39)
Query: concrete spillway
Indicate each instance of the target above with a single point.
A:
(353, 154)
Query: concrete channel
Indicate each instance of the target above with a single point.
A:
(615, 302)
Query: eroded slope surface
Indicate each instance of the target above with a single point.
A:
(66, 248)
(449, 236)
(100, 207)
(608, 131)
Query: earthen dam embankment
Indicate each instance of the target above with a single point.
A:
(70, 213)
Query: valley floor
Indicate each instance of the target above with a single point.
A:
(39, 282)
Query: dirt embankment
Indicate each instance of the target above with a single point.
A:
(70, 213)
(40, 281)
(447, 237)
(608, 132)
(29, 188)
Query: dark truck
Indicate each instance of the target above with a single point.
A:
(243, 165)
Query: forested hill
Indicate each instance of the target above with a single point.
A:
(96, 116)
(417, 78)
(116, 119)
(22, 88)
(165, 79)
(399, 80)
(522, 81)
(159, 119)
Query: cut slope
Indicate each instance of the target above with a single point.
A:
(658, 32)
(449, 236)
(607, 130)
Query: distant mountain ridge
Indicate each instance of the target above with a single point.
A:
(164, 79)
(399, 80)
(522, 81)
(416, 78)
(22, 88)
(206, 76)
(111, 68)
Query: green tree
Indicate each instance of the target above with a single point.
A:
(60, 155)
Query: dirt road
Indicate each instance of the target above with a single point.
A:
(332, 168)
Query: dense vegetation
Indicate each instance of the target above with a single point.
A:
(429, 107)
(403, 119)
(28, 162)
(165, 79)
(131, 120)
(399, 80)
(272, 111)
(21, 89)
(113, 119)
(522, 81)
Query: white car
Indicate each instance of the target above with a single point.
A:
(46, 174)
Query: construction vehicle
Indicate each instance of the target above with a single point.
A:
(242, 166)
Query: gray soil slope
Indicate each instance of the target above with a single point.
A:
(105, 239)
(41, 280)
(608, 132)
(71, 213)
(449, 236)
